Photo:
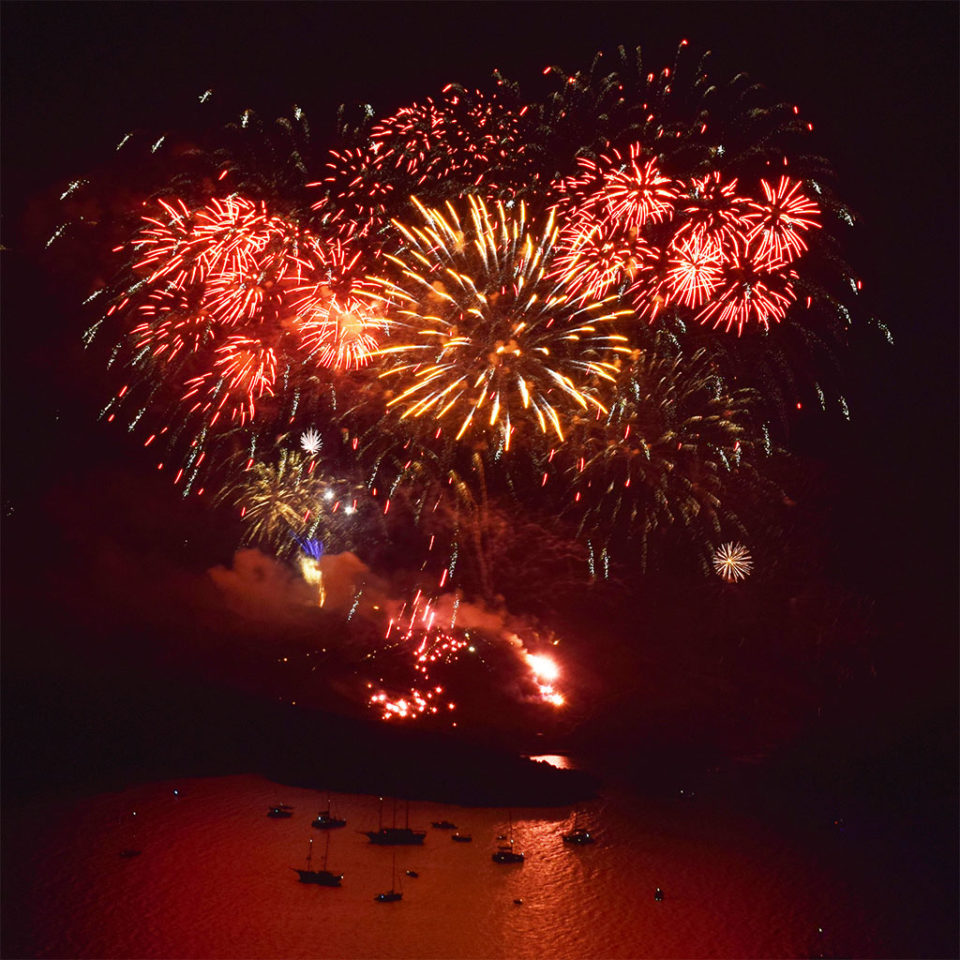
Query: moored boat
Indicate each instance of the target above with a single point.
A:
(323, 876)
(505, 852)
(395, 836)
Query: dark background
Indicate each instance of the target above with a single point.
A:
(88, 531)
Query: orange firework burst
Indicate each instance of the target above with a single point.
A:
(493, 340)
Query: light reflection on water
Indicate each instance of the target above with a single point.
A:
(215, 879)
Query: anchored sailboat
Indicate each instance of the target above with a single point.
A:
(392, 894)
(395, 836)
(505, 852)
(324, 877)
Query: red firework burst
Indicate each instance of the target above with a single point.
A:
(637, 193)
(695, 269)
(243, 372)
(630, 191)
(340, 334)
(715, 210)
(748, 293)
(781, 220)
(594, 255)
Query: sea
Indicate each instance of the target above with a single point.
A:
(215, 878)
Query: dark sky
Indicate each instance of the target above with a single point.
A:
(878, 80)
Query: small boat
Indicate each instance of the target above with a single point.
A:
(578, 836)
(461, 837)
(327, 821)
(392, 895)
(505, 852)
(395, 836)
(412, 873)
(280, 811)
(323, 877)
(130, 852)
(443, 825)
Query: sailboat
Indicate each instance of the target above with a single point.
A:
(395, 836)
(326, 820)
(323, 876)
(392, 894)
(579, 834)
(505, 852)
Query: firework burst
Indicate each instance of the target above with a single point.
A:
(732, 562)
(663, 457)
(494, 342)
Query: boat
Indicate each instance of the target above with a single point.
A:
(505, 852)
(395, 836)
(392, 894)
(443, 825)
(461, 837)
(327, 821)
(323, 877)
(280, 811)
(130, 852)
(412, 873)
(579, 834)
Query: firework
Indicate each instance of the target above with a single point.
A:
(733, 562)
(660, 462)
(460, 281)
(781, 220)
(310, 442)
(494, 342)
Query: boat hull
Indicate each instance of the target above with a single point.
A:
(395, 837)
(323, 878)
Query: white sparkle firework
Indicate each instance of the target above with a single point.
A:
(310, 441)
(733, 562)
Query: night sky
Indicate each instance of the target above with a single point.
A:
(89, 532)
